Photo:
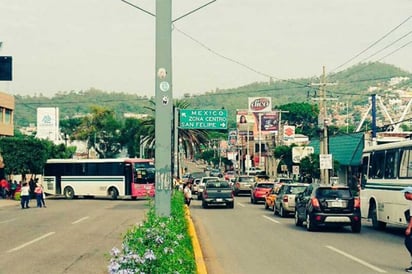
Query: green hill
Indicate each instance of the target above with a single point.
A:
(351, 86)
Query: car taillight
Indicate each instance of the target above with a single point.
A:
(315, 202)
(237, 185)
(357, 202)
(233, 194)
(204, 193)
(285, 199)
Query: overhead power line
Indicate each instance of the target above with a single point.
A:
(373, 44)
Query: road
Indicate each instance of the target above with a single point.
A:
(69, 236)
(250, 239)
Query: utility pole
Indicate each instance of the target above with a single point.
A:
(323, 123)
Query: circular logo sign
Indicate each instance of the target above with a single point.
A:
(164, 86)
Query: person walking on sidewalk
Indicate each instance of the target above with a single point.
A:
(24, 196)
(39, 195)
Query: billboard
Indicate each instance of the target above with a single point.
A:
(48, 123)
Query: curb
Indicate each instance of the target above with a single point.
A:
(200, 262)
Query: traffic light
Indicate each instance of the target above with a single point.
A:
(5, 68)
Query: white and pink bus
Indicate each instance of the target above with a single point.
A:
(125, 177)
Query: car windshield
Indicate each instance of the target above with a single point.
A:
(295, 189)
(330, 193)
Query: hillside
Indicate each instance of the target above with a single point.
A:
(351, 87)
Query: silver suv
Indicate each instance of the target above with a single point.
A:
(243, 184)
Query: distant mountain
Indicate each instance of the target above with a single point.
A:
(351, 86)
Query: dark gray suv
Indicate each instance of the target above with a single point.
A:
(328, 205)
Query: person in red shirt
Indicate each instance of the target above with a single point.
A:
(4, 190)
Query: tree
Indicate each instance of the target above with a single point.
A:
(27, 155)
(102, 131)
(303, 115)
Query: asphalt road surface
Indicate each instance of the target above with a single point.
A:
(69, 236)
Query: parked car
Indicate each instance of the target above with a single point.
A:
(259, 191)
(285, 199)
(217, 192)
(242, 184)
(271, 196)
(328, 205)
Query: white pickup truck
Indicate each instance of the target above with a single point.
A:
(254, 171)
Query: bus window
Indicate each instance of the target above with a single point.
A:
(140, 176)
(405, 169)
(377, 162)
(390, 165)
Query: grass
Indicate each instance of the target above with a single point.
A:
(159, 245)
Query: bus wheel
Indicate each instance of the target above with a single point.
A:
(378, 225)
(69, 192)
(113, 193)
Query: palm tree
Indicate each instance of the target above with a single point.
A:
(191, 139)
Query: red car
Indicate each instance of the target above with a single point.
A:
(259, 191)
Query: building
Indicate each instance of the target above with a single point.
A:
(7, 106)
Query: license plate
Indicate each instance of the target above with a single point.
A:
(219, 200)
(337, 204)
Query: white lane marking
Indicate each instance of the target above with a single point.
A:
(8, 221)
(80, 220)
(31, 242)
(242, 205)
(271, 219)
(377, 269)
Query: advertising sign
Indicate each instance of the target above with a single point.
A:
(260, 104)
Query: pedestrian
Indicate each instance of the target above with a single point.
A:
(187, 192)
(4, 188)
(24, 195)
(13, 188)
(39, 194)
(408, 235)
(43, 195)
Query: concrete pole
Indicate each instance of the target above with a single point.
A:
(164, 107)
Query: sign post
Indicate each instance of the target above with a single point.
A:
(203, 119)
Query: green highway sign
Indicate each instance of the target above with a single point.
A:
(203, 119)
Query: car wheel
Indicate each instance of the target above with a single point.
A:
(69, 192)
(298, 222)
(309, 225)
(356, 227)
(251, 199)
(230, 205)
(282, 212)
(254, 201)
(274, 210)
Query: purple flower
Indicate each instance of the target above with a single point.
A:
(149, 255)
(115, 252)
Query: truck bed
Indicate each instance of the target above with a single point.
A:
(217, 193)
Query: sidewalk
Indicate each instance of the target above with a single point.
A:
(9, 202)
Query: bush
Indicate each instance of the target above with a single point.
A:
(158, 245)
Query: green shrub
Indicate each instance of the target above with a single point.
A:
(158, 245)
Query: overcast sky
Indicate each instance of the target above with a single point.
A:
(109, 45)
